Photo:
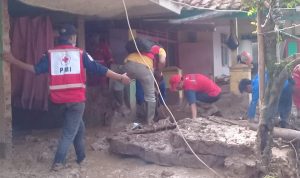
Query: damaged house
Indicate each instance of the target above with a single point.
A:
(195, 35)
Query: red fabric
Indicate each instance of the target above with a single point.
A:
(200, 83)
(154, 51)
(102, 54)
(30, 38)
(173, 81)
(296, 92)
(67, 95)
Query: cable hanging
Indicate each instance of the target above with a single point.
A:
(180, 131)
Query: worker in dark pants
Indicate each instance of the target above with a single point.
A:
(198, 90)
(284, 103)
(140, 67)
(65, 65)
(141, 101)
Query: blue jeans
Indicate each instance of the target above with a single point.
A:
(72, 132)
(285, 104)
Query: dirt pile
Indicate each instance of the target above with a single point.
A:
(212, 142)
(218, 145)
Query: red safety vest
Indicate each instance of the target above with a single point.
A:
(67, 75)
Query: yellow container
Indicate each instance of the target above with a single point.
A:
(237, 73)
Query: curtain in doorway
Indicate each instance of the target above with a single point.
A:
(30, 39)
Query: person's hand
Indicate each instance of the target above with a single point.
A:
(125, 79)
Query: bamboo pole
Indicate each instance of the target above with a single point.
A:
(261, 57)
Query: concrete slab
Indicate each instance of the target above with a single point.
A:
(212, 142)
(207, 137)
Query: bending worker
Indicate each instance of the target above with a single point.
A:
(284, 104)
(197, 87)
(140, 68)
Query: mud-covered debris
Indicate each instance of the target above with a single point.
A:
(100, 144)
(44, 157)
(207, 137)
(241, 166)
(30, 138)
(166, 174)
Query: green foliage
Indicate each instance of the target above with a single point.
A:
(252, 11)
(291, 3)
(252, 5)
(268, 176)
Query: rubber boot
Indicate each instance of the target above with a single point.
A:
(282, 123)
(150, 112)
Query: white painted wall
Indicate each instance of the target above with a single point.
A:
(245, 45)
(218, 68)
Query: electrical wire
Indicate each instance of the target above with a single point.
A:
(282, 29)
(181, 133)
(289, 35)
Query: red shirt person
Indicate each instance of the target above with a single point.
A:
(296, 92)
(197, 87)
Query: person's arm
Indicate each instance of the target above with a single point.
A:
(98, 69)
(253, 104)
(8, 57)
(120, 77)
(191, 98)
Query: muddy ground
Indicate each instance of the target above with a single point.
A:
(33, 153)
(33, 150)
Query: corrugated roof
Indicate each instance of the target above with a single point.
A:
(213, 4)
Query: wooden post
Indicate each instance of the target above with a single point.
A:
(261, 57)
(5, 85)
(233, 52)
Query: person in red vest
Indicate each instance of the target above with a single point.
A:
(197, 87)
(66, 65)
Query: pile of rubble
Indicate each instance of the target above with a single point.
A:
(218, 145)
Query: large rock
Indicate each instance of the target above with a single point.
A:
(212, 142)
(156, 148)
(216, 143)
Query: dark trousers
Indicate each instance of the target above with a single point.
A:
(72, 132)
(285, 104)
(205, 98)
